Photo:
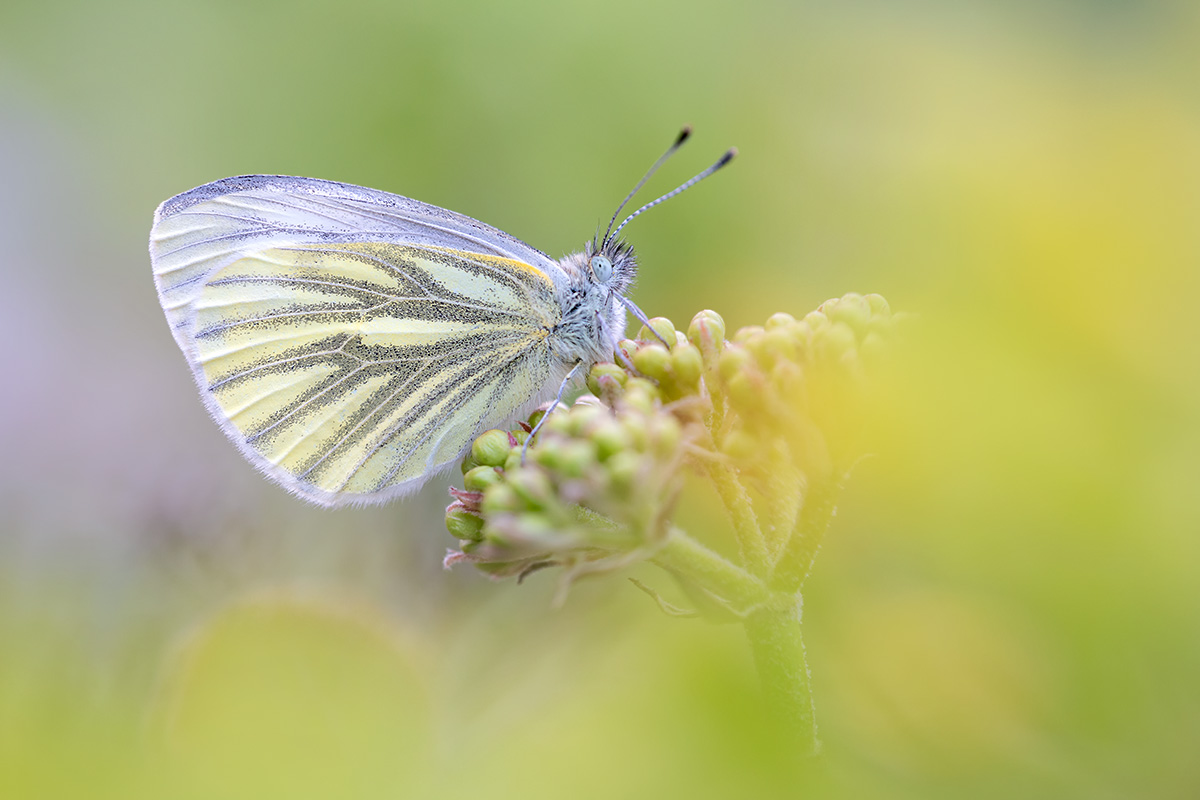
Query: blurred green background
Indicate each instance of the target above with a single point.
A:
(1008, 603)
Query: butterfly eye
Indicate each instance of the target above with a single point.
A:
(602, 268)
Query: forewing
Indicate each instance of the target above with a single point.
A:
(350, 364)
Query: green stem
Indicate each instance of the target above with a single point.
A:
(797, 559)
(775, 638)
(684, 556)
(751, 544)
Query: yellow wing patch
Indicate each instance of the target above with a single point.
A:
(351, 369)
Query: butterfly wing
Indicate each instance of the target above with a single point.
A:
(351, 342)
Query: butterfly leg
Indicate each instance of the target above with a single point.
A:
(557, 399)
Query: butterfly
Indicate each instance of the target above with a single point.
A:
(352, 342)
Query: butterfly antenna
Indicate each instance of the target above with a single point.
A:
(722, 161)
(679, 140)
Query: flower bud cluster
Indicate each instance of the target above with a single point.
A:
(597, 483)
(782, 404)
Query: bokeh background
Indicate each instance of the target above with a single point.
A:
(1008, 603)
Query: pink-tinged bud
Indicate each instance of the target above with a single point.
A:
(463, 524)
(600, 371)
(627, 347)
(707, 332)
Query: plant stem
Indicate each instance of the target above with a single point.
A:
(751, 544)
(775, 638)
(797, 559)
(684, 556)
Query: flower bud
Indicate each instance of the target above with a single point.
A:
(879, 305)
(852, 309)
(816, 321)
(662, 326)
(624, 470)
(479, 478)
(605, 369)
(733, 361)
(491, 448)
(499, 499)
(531, 486)
(835, 341)
(747, 333)
(627, 347)
(664, 434)
(463, 524)
(653, 361)
(707, 332)
(610, 438)
(687, 364)
(780, 320)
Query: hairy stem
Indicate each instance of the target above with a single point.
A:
(751, 544)
(684, 556)
(775, 638)
(797, 559)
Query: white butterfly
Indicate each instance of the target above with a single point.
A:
(353, 342)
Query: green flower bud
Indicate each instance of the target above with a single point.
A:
(627, 347)
(634, 427)
(463, 524)
(640, 395)
(745, 390)
(747, 333)
(707, 332)
(624, 470)
(788, 379)
(575, 457)
(664, 434)
(734, 361)
(531, 486)
(491, 448)
(773, 346)
(835, 341)
(513, 460)
(852, 309)
(583, 419)
(605, 369)
(479, 478)
(879, 306)
(610, 439)
(499, 499)
(687, 364)
(653, 361)
(662, 326)
(816, 321)
(780, 320)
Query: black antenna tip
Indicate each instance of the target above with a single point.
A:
(683, 135)
(725, 159)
